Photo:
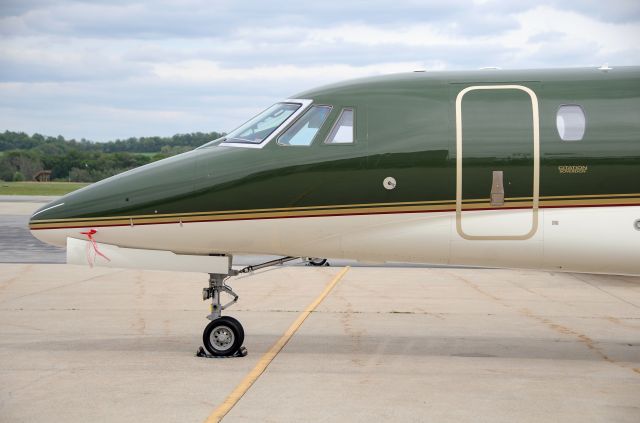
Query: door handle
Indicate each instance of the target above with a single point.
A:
(497, 188)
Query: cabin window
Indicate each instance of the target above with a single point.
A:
(263, 125)
(342, 131)
(304, 130)
(571, 122)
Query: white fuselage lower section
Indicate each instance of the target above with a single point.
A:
(587, 239)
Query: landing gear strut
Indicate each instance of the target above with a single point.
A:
(224, 335)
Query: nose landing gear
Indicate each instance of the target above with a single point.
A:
(224, 335)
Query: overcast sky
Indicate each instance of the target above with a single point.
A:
(113, 69)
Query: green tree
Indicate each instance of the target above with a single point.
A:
(27, 163)
(85, 160)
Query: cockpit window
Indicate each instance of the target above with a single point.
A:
(263, 125)
(342, 131)
(305, 129)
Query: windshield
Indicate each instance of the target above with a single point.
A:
(263, 125)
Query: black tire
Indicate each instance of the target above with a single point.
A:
(223, 337)
(317, 261)
(233, 319)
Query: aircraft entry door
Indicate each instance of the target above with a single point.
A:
(497, 161)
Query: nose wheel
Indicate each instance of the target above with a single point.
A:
(223, 336)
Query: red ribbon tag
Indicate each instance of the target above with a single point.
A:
(90, 259)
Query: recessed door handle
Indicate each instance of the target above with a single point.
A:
(497, 188)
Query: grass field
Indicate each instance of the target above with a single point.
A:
(39, 188)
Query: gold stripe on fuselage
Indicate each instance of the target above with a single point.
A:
(340, 210)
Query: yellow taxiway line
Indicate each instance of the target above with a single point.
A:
(268, 357)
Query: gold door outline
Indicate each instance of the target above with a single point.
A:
(536, 162)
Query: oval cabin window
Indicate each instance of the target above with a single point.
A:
(571, 122)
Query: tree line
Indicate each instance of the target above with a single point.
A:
(22, 156)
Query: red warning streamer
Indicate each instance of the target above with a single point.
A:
(90, 235)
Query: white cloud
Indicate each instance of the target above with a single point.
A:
(113, 69)
(199, 71)
(578, 30)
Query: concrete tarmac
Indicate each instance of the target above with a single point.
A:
(16, 243)
(402, 344)
(446, 345)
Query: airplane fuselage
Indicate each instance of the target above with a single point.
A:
(525, 169)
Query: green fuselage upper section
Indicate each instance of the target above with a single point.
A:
(405, 128)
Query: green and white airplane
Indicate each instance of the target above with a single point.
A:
(522, 169)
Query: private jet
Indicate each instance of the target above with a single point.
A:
(530, 169)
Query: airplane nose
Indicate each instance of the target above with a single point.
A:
(50, 223)
(151, 189)
(41, 223)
